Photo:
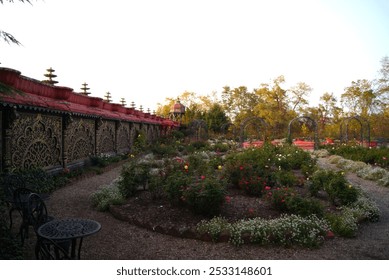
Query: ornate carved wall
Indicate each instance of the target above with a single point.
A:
(123, 138)
(36, 141)
(54, 127)
(79, 138)
(105, 137)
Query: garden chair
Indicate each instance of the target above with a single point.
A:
(20, 198)
(47, 249)
(37, 216)
(10, 183)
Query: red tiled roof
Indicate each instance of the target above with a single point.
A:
(25, 92)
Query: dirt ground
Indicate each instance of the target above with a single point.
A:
(122, 240)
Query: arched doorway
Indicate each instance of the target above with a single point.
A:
(256, 123)
(198, 129)
(307, 122)
(364, 128)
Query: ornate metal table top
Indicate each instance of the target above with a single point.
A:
(68, 228)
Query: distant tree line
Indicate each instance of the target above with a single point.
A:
(278, 105)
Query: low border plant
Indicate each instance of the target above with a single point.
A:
(105, 197)
(287, 230)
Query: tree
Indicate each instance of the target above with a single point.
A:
(359, 98)
(7, 37)
(383, 85)
(216, 117)
(298, 96)
(238, 102)
(383, 79)
(273, 106)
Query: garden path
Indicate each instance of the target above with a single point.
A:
(120, 240)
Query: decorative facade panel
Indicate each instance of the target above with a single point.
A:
(105, 137)
(36, 141)
(80, 139)
(123, 138)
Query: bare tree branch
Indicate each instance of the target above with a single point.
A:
(11, 1)
(8, 37)
(5, 35)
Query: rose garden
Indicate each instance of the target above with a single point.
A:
(248, 182)
(271, 195)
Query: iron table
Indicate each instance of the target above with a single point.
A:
(74, 229)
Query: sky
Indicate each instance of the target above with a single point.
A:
(148, 50)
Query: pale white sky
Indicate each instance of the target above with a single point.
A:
(147, 50)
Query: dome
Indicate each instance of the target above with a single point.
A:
(177, 108)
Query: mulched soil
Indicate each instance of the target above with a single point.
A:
(160, 216)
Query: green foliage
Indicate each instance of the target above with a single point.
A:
(104, 160)
(174, 184)
(252, 185)
(272, 164)
(194, 184)
(198, 145)
(220, 147)
(249, 163)
(163, 150)
(134, 175)
(373, 156)
(140, 143)
(287, 200)
(336, 186)
(304, 206)
(37, 180)
(205, 195)
(215, 117)
(343, 224)
(106, 196)
(177, 135)
(288, 230)
(284, 178)
(346, 222)
(214, 227)
(278, 197)
(364, 209)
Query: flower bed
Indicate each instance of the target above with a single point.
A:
(309, 204)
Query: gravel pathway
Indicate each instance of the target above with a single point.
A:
(119, 240)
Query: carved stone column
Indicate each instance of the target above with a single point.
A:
(66, 121)
(10, 118)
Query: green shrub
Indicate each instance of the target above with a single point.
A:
(177, 135)
(365, 209)
(37, 179)
(287, 200)
(220, 147)
(134, 175)
(288, 230)
(104, 160)
(214, 227)
(201, 189)
(106, 196)
(198, 145)
(278, 196)
(343, 224)
(384, 181)
(304, 206)
(284, 178)
(174, 185)
(372, 173)
(205, 195)
(373, 156)
(163, 150)
(335, 184)
(253, 185)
